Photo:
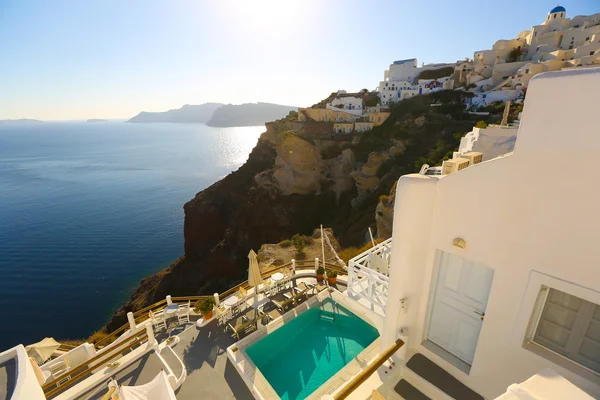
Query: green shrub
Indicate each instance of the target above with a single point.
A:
(435, 73)
(331, 273)
(481, 125)
(285, 243)
(204, 305)
(384, 198)
(299, 243)
(320, 271)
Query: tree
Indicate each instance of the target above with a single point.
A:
(481, 125)
(299, 243)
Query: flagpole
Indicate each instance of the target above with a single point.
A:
(322, 246)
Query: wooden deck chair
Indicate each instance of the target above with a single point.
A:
(268, 287)
(300, 292)
(242, 324)
(224, 314)
(157, 323)
(283, 305)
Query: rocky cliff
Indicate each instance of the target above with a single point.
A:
(298, 177)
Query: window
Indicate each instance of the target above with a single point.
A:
(569, 326)
(587, 38)
(570, 47)
(554, 15)
(591, 53)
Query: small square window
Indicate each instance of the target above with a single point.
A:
(569, 326)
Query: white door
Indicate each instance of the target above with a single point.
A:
(459, 303)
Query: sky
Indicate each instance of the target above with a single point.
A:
(62, 60)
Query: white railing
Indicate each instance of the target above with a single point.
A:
(367, 285)
(383, 250)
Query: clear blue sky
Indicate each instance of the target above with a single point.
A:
(111, 59)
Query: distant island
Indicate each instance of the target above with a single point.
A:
(20, 121)
(186, 114)
(218, 114)
(97, 120)
(249, 114)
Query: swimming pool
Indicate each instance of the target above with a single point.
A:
(299, 357)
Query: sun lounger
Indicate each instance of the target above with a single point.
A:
(244, 323)
(300, 292)
(282, 305)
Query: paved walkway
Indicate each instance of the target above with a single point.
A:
(210, 374)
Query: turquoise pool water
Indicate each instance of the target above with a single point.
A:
(304, 353)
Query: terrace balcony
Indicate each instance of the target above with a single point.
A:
(195, 363)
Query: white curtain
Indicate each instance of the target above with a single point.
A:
(157, 389)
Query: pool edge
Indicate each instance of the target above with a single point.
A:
(261, 388)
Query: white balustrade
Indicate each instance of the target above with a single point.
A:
(365, 283)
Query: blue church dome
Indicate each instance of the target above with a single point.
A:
(557, 9)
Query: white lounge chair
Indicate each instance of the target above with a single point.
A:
(158, 322)
(183, 314)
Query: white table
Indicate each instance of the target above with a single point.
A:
(258, 304)
(278, 276)
(171, 310)
(231, 301)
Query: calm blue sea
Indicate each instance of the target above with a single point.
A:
(89, 209)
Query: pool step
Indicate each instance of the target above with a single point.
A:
(328, 317)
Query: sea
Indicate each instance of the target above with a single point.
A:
(89, 209)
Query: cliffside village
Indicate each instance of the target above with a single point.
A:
(497, 75)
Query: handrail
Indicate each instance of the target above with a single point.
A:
(84, 368)
(363, 375)
(142, 314)
(111, 390)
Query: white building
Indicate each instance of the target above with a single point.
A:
(399, 81)
(492, 274)
(350, 104)
(492, 141)
(558, 42)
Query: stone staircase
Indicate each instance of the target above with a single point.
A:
(422, 379)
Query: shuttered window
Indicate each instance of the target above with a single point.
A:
(570, 326)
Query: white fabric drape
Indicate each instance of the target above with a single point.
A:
(157, 389)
